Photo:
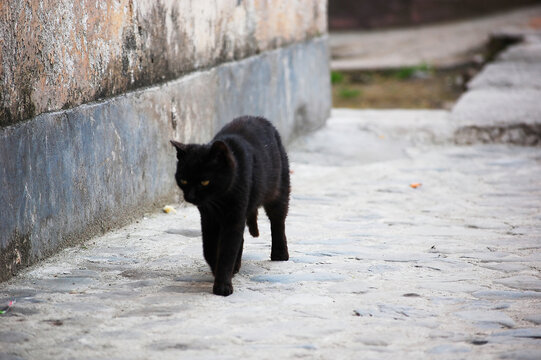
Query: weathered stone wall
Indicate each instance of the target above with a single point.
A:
(92, 91)
(56, 54)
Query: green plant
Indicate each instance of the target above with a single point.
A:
(347, 93)
(336, 77)
(409, 71)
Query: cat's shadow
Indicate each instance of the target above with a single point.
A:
(189, 284)
(193, 282)
(185, 232)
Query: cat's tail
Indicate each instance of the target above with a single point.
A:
(251, 221)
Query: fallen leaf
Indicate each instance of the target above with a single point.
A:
(169, 209)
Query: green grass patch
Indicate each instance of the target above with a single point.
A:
(347, 93)
(407, 72)
(336, 77)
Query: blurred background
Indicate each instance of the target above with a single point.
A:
(417, 53)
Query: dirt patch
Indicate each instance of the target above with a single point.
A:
(408, 88)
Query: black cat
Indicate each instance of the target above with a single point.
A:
(244, 167)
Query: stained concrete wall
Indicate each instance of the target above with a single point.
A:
(69, 174)
(57, 54)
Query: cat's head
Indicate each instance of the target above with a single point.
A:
(204, 172)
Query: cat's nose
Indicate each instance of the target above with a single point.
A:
(189, 196)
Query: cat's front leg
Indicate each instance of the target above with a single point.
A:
(210, 229)
(239, 258)
(231, 239)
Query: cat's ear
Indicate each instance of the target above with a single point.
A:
(181, 148)
(219, 151)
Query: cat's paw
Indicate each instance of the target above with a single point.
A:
(279, 255)
(223, 289)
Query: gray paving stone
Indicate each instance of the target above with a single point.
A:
(534, 333)
(498, 107)
(535, 318)
(13, 337)
(509, 75)
(490, 317)
(6, 356)
(522, 282)
(529, 52)
(506, 294)
(449, 349)
(521, 355)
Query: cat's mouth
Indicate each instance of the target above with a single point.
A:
(192, 201)
(189, 196)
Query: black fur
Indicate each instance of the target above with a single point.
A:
(246, 167)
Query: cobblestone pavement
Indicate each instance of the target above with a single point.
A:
(378, 269)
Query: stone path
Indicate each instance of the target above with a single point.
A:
(439, 45)
(378, 269)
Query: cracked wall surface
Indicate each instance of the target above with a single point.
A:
(56, 54)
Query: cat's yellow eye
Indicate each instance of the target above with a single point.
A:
(205, 182)
(183, 182)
